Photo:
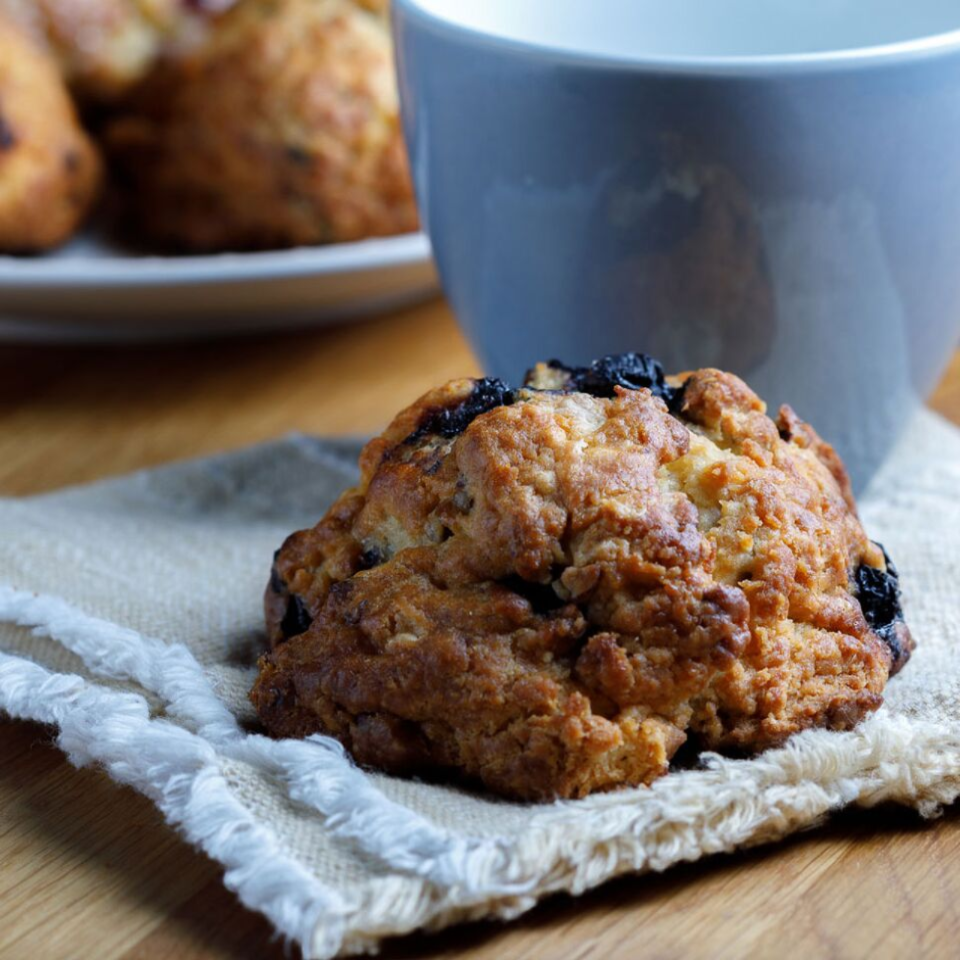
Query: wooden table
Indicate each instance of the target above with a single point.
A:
(87, 868)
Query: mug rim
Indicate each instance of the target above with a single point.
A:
(877, 55)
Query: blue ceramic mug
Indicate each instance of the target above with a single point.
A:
(761, 185)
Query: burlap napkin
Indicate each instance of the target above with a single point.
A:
(137, 611)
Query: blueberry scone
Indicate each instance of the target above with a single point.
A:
(104, 48)
(50, 169)
(548, 590)
(280, 129)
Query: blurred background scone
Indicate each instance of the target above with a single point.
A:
(50, 170)
(230, 125)
(105, 47)
(281, 129)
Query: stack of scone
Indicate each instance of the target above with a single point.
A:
(273, 123)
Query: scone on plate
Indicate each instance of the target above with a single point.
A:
(50, 171)
(548, 590)
(282, 129)
(105, 47)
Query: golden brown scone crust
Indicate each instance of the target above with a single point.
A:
(553, 598)
(281, 130)
(50, 171)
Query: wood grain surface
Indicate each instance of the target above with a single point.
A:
(89, 870)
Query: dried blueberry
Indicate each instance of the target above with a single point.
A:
(277, 583)
(633, 371)
(487, 394)
(630, 370)
(879, 594)
(297, 619)
(370, 558)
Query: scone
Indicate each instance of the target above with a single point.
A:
(548, 590)
(50, 171)
(105, 47)
(281, 130)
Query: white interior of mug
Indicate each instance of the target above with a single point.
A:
(707, 29)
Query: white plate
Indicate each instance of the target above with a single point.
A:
(92, 290)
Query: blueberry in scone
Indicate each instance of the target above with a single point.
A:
(548, 590)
